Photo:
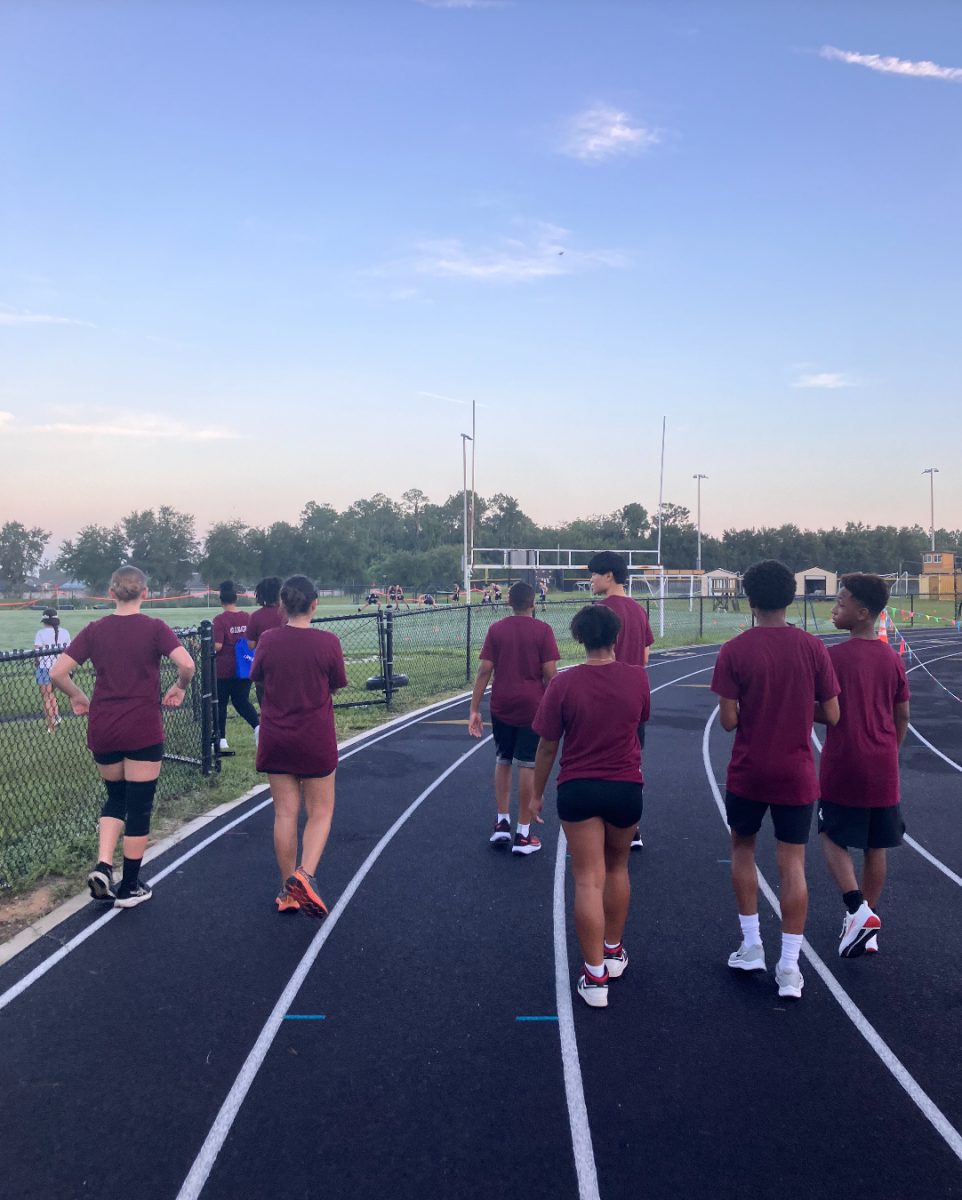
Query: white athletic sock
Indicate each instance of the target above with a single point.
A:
(505, 817)
(751, 934)
(609, 946)
(257, 733)
(597, 971)
(523, 829)
(791, 946)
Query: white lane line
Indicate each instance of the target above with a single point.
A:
(204, 1162)
(581, 1145)
(947, 871)
(935, 750)
(58, 956)
(928, 1108)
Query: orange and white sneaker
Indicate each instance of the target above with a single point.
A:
(302, 888)
(286, 902)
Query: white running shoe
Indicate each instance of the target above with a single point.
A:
(871, 946)
(593, 991)
(636, 842)
(748, 958)
(857, 928)
(790, 981)
(616, 962)
(223, 744)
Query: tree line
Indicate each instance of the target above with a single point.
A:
(418, 543)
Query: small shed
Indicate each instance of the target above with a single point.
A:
(816, 581)
(720, 582)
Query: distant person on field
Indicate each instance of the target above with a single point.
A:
(609, 573)
(769, 679)
(268, 616)
(125, 732)
(596, 708)
(50, 635)
(486, 596)
(300, 668)
(496, 593)
(427, 600)
(456, 593)
(859, 776)
(522, 654)
(233, 667)
(373, 597)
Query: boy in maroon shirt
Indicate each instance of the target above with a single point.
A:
(125, 731)
(609, 571)
(769, 679)
(859, 775)
(523, 656)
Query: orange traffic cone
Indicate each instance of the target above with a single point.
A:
(883, 632)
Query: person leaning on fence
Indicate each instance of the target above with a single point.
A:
(51, 635)
(300, 668)
(268, 616)
(522, 654)
(125, 729)
(858, 803)
(609, 573)
(597, 708)
(233, 659)
(768, 680)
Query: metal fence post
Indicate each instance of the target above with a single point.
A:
(805, 612)
(701, 616)
(389, 655)
(912, 610)
(467, 644)
(210, 758)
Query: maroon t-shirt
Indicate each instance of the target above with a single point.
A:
(125, 705)
(597, 710)
(635, 633)
(262, 619)
(518, 647)
(860, 760)
(229, 629)
(300, 669)
(776, 675)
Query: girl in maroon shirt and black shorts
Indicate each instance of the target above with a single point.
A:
(300, 668)
(597, 708)
(125, 731)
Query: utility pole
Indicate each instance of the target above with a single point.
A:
(931, 472)
(699, 478)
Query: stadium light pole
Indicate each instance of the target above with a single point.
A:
(931, 472)
(465, 438)
(699, 478)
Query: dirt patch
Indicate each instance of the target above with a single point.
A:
(17, 912)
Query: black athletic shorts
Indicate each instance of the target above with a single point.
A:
(514, 743)
(617, 802)
(863, 828)
(792, 822)
(144, 754)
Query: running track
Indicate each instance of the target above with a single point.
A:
(423, 1041)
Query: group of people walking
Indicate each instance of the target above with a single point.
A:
(773, 682)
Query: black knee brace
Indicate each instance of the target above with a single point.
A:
(116, 803)
(140, 804)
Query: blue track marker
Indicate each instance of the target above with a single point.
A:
(536, 1018)
(305, 1017)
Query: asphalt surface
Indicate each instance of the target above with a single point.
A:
(425, 1052)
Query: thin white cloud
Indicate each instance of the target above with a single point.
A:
(543, 253)
(601, 133)
(27, 318)
(825, 379)
(5, 419)
(127, 425)
(889, 65)
(464, 3)
(452, 400)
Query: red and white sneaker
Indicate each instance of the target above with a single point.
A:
(592, 990)
(525, 845)
(857, 928)
(501, 834)
(616, 961)
(871, 946)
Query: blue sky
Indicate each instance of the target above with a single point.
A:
(244, 248)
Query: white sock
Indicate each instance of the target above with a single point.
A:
(523, 829)
(791, 946)
(257, 733)
(608, 946)
(751, 934)
(597, 971)
(504, 817)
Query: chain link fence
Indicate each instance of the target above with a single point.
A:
(50, 791)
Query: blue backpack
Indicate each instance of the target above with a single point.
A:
(243, 657)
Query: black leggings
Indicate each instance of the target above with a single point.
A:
(237, 691)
